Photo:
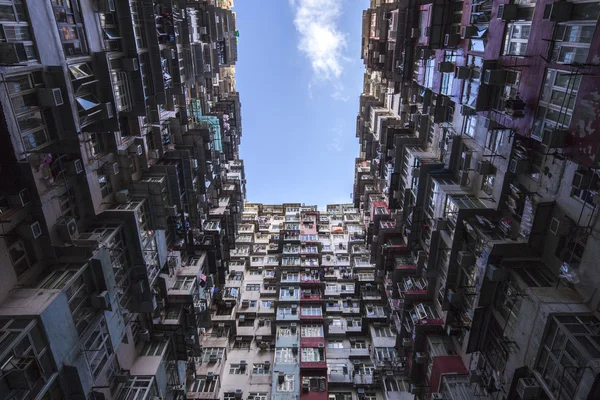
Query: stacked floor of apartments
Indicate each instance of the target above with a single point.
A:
(477, 178)
(120, 192)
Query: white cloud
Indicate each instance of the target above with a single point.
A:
(321, 41)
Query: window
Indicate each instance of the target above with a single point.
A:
(212, 351)
(310, 354)
(204, 385)
(266, 304)
(33, 122)
(287, 385)
(98, 348)
(14, 26)
(20, 252)
(311, 311)
(384, 332)
(235, 369)
(260, 369)
(396, 385)
(358, 344)
(70, 26)
(570, 343)
(258, 395)
(312, 331)
(184, 283)
(385, 353)
(366, 369)
(285, 355)
(572, 42)
(314, 383)
(556, 103)
(253, 287)
(335, 344)
(516, 38)
(105, 185)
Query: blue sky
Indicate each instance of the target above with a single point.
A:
(299, 75)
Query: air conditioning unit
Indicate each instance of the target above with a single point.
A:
(30, 230)
(212, 358)
(130, 64)
(462, 72)
(106, 6)
(238, 394)
(466, 110)
(508, 12)
(424, 53)
(468, 31)
(528, 388)
(136, 150)
(101, 301)
(415, 33)
(445, 66)
(67, 229)
(439, 224)
(421, 358)
(76, 167)
(122, 196)
(245, 303)
(485, 168)
(559, 11)
(123, 377)
(50, 97)
(19, 199)
(495, 274)
(517, 166)
(154, 154)
(107, 110)
(581, 180)
(465, 258)
(451, 40)
(407, 342)
(321, 345)
(111, 168)
(12, 53)
(561, 226)
(494, 77)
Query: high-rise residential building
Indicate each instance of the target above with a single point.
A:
(121, 190)
(478, 160)
(464, 267)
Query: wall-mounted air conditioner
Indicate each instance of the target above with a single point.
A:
(508, 12)
(445, 66)
(466, 110)
(50, 97)
(462, 72)
(561, 226)
(451, 40)
(485, 167)
(559, 11)
(122, 196)
(111, 168)
(130, 64)
(19, 199)
(154, 154)
(107, 110)
(528, 388)
(67, 229)
(31, 230)
(136, 150)
(468, 31)
(494, 77)
(101, 301)
(518, 166)
(495, 274)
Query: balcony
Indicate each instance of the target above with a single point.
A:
(373, 311)
(412, 289)
(422, 314)
(310, 295)
(313, 358)
(405, 262)
(311, 277)
(289, 294)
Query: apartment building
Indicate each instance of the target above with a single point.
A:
(121, 190)
(300, 315)
(477, 179)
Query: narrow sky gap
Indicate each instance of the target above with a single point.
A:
(299, 140)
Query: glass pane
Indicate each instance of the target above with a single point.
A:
(19, 84)
(30, 121)
(7, 13)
